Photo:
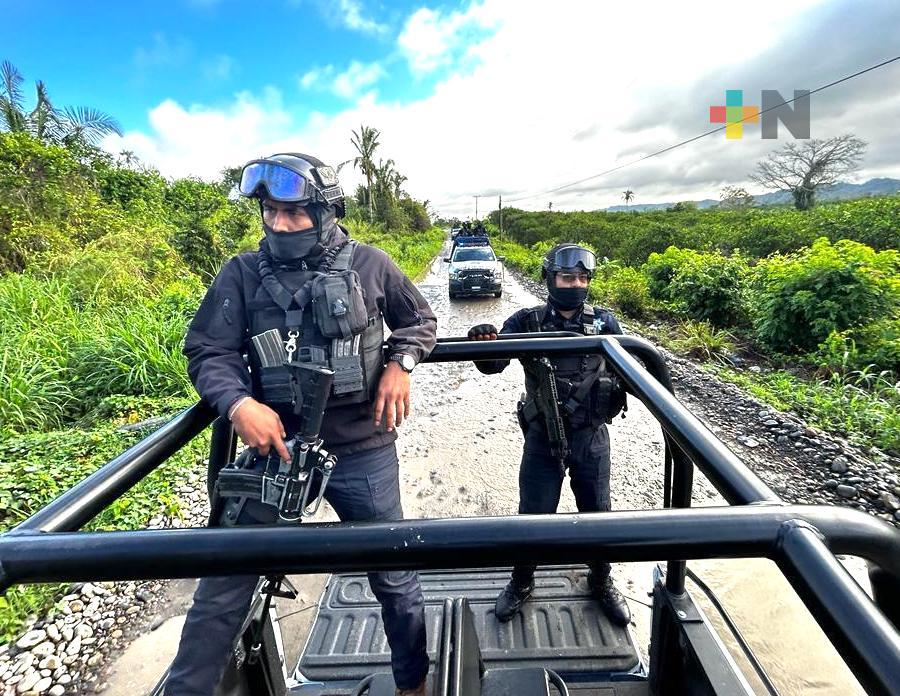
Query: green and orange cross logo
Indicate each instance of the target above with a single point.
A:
(734, 114)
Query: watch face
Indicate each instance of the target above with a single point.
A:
(407, 362)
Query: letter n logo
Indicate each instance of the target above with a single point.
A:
(795, 119)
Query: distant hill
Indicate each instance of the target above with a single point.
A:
(873, 187)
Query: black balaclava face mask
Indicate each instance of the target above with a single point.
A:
(564, 298)
(286, 247)
(292, 247)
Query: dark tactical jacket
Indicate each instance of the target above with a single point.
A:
(219, 338)
(570, 370)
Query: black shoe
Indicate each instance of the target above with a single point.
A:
(611, 601)
(511, 600)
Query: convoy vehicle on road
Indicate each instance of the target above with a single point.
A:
(474, 270)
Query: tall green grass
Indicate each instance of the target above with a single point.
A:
(60, 357)
(412, 251)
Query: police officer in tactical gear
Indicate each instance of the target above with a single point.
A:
(310, 294)
(587, 396)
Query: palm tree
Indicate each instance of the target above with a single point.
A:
(366, 142)
(384, 180)
(397, 180)
(628, 196)
(68, 126)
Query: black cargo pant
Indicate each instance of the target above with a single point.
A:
(540, 482)
(364, 486)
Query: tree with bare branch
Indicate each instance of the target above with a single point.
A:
(802, 167)
(735, 198)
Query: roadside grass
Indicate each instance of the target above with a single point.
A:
(700, 340)
(863, 406)
(412, 251)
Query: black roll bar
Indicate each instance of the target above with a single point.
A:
(87, 499)
(687, 439)
(787, 534)
(42, 549)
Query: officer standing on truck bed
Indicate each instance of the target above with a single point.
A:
(314, 297)
(567, 403)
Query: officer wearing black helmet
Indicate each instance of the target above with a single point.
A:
(586, 397)
(310, 294)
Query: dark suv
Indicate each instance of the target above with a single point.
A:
(475, 270)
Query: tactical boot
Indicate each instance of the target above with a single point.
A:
(611, 601)
(511, 600)
(417, 691)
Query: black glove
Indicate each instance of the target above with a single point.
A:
(483, 332)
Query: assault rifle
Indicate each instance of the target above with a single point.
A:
(546, 400)
(291, 487)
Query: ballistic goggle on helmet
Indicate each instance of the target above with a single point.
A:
(292, 178)
(569, 257)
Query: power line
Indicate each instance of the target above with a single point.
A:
(702, 135)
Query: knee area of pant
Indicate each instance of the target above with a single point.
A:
(394, 581)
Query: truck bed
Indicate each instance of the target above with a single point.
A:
(560, 628)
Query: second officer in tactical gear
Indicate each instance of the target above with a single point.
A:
(311, 299)
(567, 403)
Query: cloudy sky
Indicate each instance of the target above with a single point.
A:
(472, 98)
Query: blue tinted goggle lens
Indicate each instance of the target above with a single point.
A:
(572, 257)
(281, 183)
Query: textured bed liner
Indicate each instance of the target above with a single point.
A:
(561, 628)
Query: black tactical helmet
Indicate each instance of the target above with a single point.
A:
(568, 256)
(292, 177)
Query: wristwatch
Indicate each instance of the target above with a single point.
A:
(406, 362)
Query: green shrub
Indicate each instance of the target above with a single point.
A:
(877, 344)
(711, 287)
(631, 237)
(118, 267)
(624, 288)
(412, 251)
(525, 260)
(660, 270)
(802, 298)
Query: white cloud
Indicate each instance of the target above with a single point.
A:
(316, 76)
(348, 84)
(430, 38)
(352, 15)
(357, 77)
(200, 142)
(552, 98)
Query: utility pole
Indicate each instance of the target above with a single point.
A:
(500, 207)
(476, 207)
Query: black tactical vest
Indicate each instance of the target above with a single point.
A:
(328, 321)
(589, 392)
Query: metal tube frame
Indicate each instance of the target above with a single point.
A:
(40, 549)
(87, 499)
